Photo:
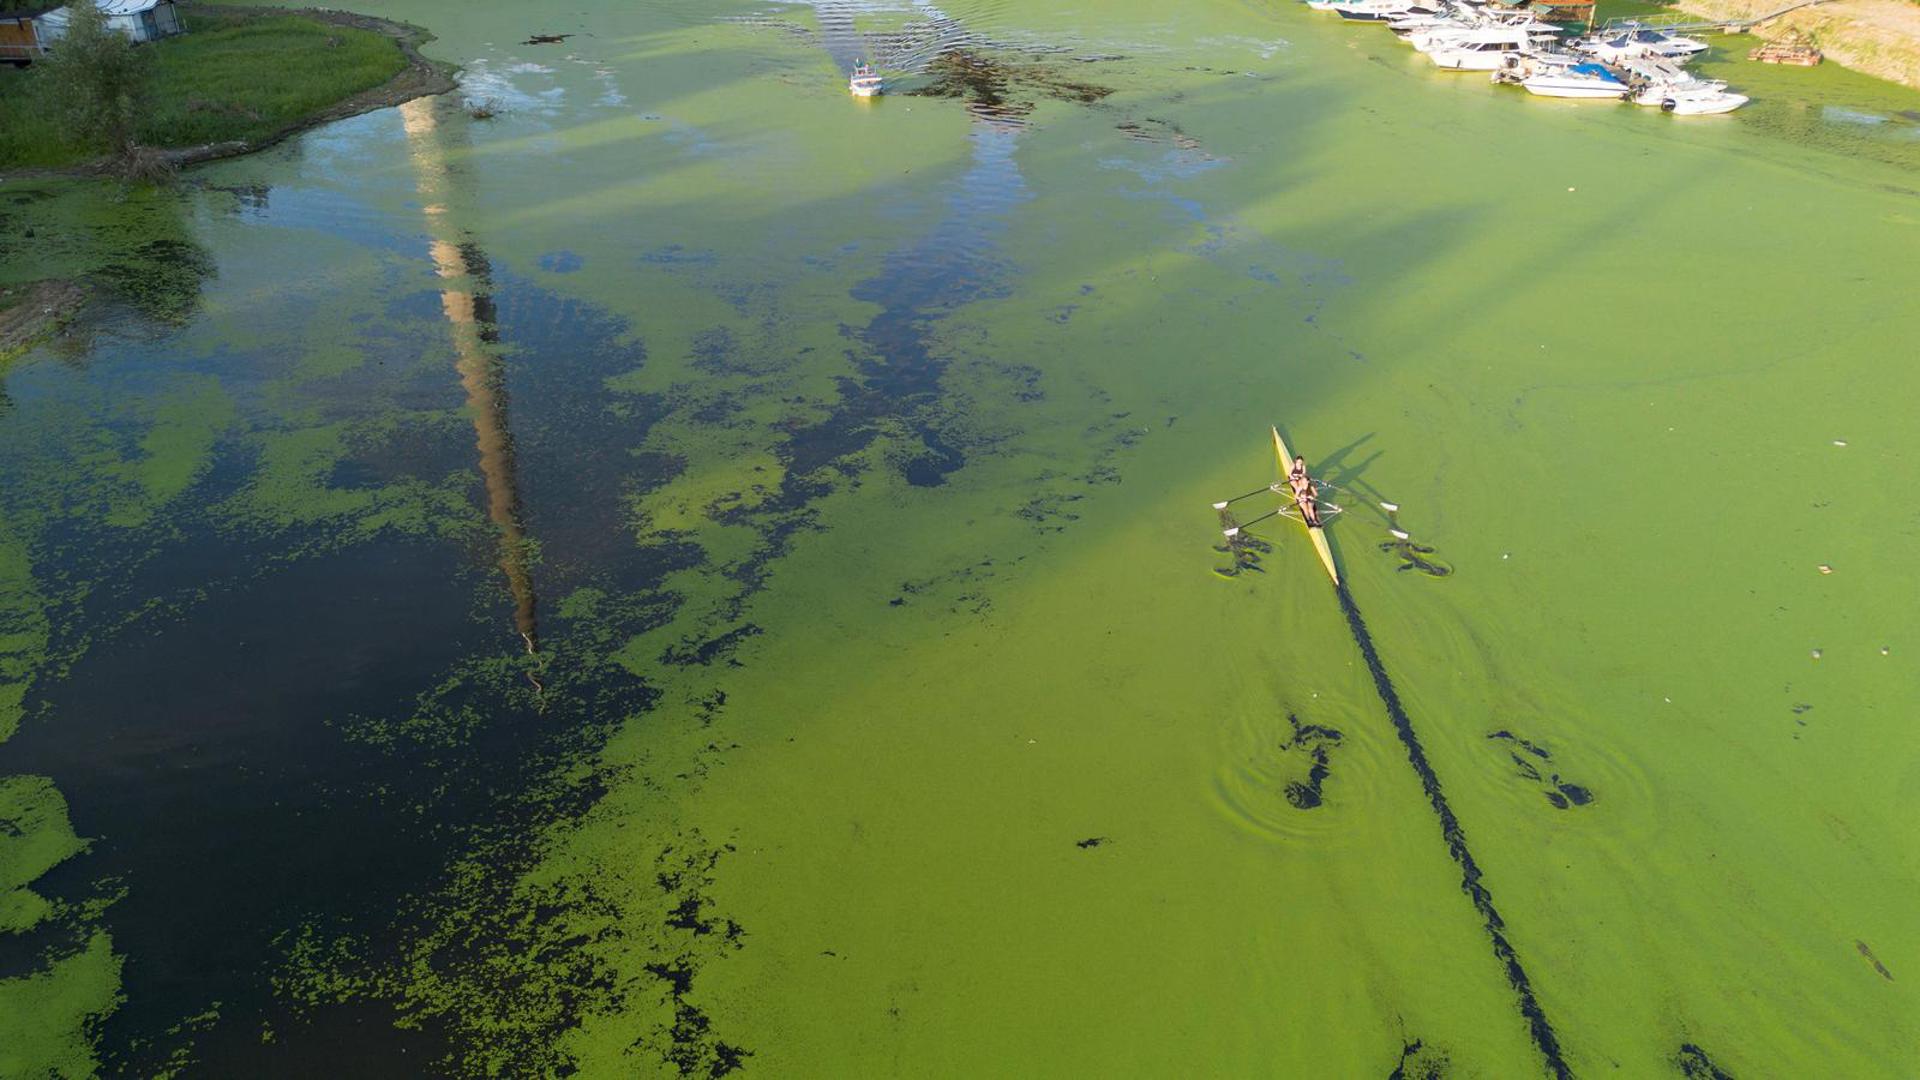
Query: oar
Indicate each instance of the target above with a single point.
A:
(1235, 531)
(1237, 498)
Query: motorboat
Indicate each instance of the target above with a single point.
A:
(864, 83)
(1408, 24)
(1482, 49)
(1534, 33)
(1665, 85)
(1582, 80)
(1654, 77)
(1702, 102)
(1668, 44)
(1630, 41)
(1382, 10)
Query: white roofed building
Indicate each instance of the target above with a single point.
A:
(141, 20)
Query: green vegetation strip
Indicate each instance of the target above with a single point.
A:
(232, 76)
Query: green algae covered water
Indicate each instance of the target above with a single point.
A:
(698, 575)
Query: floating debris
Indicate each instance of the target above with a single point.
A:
(1797, 50)
(1867, 953)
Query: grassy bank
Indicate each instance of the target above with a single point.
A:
(232, 76)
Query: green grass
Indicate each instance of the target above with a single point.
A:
(231, 76)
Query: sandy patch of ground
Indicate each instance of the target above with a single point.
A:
(1878, 37)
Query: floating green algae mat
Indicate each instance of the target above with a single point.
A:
(696, 574)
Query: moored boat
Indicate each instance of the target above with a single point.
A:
(1702, 102)
(1382, 10)
(1587, 80)
(1631, 41)
(1663, 84)
(1484, 49)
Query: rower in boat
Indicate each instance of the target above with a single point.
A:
(1301, 500)
(1305, 492)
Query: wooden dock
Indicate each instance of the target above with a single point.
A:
(1797, 51)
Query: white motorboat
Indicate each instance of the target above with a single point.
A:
(1586, 80)
(1381, 10)
(1701, 102)
(1535, 33)
(1408, 24)
(1484, 49)
(1654, 78)
(1666, 85)
(1630, 42)
(864, 83)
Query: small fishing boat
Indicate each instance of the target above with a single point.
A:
(864, 83)
(1587, 80)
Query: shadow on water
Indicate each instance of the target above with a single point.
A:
(1541, 1030)
(467, 302)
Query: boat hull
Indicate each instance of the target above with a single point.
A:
(1547, 88)
(1703, 105)
(1317, 535)
(1469, 60)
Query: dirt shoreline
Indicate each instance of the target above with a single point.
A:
(1875, 37)
(31, 312)
(420, 78)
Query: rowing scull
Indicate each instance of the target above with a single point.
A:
(1314, 532)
